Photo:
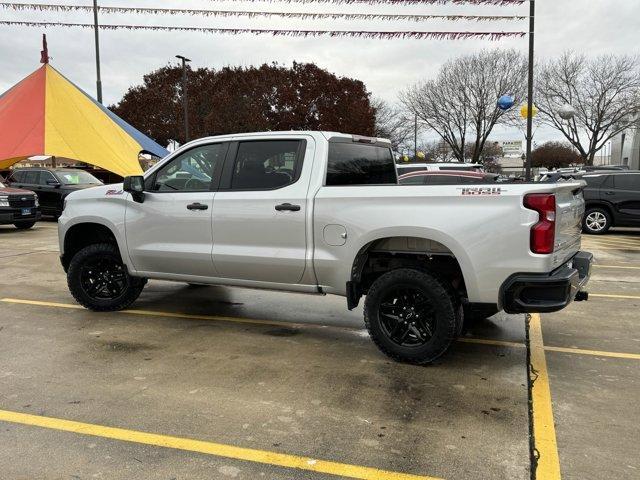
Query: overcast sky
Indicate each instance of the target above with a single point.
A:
(385, 66)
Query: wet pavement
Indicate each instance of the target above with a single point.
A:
(293, 381)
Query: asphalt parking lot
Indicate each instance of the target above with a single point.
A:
(230, 383)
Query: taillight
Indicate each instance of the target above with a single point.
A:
(543, 233)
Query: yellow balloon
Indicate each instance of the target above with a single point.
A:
(420, 155)
(524, 111)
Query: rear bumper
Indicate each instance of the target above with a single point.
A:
(543, 293)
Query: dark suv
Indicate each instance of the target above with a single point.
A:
(18, 207)
(52, 185)
(613, 200)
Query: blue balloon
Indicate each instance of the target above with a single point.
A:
(505, 102)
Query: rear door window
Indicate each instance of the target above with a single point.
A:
(629, 182)
(267, 164)
(359, 164)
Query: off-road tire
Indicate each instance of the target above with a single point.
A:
(24, 225)
(447, 310)
(132, 290)
(604, 213)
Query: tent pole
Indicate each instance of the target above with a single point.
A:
(97, 36)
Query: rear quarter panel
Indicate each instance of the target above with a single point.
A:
(488, 234)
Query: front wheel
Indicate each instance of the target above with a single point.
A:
(597, 221)
(99, 281)
(411, 316)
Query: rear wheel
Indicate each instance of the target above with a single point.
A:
(411, 316)
(99, 281)
(597, 221)
(24, 225)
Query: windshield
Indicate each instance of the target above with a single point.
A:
(78, 177)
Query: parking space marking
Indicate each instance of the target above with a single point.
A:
(622, 267)
(208, 448)
(595, 353)
(545, 446)
(487, 341)
(186, 316)
(472, 340)
(623, 249)
(612, 241)
(627, 297)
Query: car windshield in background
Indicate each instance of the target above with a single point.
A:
(77, 178)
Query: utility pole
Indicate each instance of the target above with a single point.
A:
(97, 35)
(185, 98)
(532, 25)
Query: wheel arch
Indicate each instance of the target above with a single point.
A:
(84, 233)
(442, 256)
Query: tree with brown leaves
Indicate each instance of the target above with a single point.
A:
(237, 99)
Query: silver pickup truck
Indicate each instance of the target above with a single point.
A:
(322, 213)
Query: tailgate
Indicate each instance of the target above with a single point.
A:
(569, 212)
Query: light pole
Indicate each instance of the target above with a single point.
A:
(185, 98)
(532, 25)
(97, 35)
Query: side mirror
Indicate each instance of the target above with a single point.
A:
(135, 186)
(54, 183)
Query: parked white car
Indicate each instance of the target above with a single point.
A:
(322, 212)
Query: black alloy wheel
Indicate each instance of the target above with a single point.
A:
(407, 316)
(412, 315)
(103, 278)
(99, 280)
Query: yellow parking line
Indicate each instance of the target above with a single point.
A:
(186, 316)
(574, 351)
(149, 313)
(627, 297)
(486, 341)
(208, 448)
(625, 249)
(622, 267)
(595, 353)
(628, 241)
(544, 431)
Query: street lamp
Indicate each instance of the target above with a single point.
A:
(185, 98)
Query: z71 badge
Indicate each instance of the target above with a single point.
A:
(482, 191)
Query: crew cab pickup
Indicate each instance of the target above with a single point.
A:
(323, 213)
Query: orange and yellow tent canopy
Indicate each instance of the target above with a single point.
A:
(46, 114)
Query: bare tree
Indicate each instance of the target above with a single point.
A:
(604, 92)
(460, 103)
(393, 123)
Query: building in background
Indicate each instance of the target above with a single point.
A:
(625, 149)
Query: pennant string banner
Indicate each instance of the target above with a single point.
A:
(400, 2)
(252, 14)
(282, 33)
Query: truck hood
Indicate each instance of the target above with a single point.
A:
(15, 191)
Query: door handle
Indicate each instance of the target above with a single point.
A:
(287, 207)
(197, 206)
(609, 193)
